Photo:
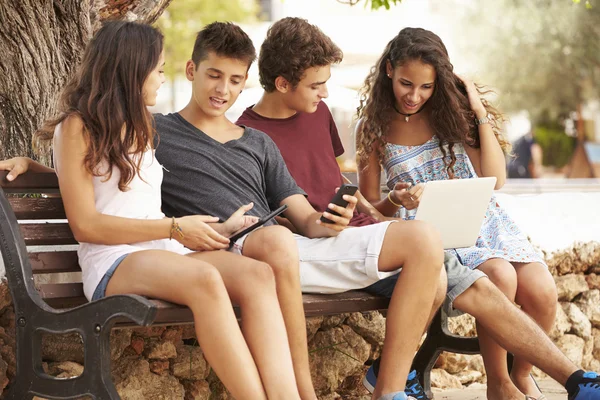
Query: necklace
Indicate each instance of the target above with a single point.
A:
(407, 116)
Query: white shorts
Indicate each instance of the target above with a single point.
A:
(345, 262)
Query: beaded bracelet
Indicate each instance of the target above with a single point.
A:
(389, 196)
(175, 228)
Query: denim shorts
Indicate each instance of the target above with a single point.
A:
(100, 291)
(460, 278)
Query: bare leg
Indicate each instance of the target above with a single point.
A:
(417, 248)
(276, 246)
(499, 384)
(514, 330)
(251, 284)
(198, 285)
(440, 296)
(537, 296)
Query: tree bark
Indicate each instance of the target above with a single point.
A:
(41, 44)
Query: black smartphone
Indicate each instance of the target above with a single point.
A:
(339, 201)
(263, 220)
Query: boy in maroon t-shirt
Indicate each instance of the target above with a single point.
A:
(292, 114)
(309, 142)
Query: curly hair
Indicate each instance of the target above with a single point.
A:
(452, 119)
(291, 47)
(106, 93)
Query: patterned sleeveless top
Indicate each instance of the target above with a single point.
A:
(499, 237)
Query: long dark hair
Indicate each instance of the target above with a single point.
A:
(452, 119)
(106, 93)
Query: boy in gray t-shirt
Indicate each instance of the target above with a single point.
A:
(249, 169)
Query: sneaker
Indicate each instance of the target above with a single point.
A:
(413, 385)
(588, 387)
(414, 388)
(396, 396)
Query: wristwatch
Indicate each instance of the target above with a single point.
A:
(484, 120)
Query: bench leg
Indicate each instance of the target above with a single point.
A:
(97, 363)
(424, 361)
(440, 339)
(18, 390)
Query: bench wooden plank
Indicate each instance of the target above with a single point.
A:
(48, 262)
(47, 234)
(63, 295)
(30, 183)
(37, 208)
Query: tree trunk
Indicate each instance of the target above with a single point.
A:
(41, 44)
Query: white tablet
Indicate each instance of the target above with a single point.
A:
(456, 208)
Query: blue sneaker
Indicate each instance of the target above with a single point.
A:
(588, 387)
(370, 379)
(414, 388)
(396, 396)
(413, 385)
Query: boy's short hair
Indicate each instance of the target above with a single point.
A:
(226, 40)
(292, 46)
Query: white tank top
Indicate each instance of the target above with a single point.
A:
(141, 201)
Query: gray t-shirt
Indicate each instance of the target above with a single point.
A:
(204, 176)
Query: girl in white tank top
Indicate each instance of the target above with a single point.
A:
(110, 185)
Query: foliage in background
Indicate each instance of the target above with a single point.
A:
(184, 18)
(375, 4)
(542, 55)
(556, 146)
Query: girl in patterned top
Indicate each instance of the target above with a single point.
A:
(421, 122)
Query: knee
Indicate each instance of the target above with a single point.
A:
(256, 276)
(476, 299)
(206, 281)
(503, 275)
(425, 242)
(276, 246)
(540, 293)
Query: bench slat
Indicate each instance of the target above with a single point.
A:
(61, 290)
(63, 295)
(38, 208)
(54, 262)
(30, 182)
(47, 234)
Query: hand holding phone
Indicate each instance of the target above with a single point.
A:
(339, 201)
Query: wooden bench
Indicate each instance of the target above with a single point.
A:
(32, 215)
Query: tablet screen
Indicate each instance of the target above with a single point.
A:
(263, 220)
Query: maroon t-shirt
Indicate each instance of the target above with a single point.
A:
(309, 144)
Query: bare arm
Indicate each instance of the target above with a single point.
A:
(489, 159)
(369, 181)
(89, 225)
(286, 222)
(364, 206)
(19, 165)
(307, 220)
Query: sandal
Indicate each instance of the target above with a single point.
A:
(542, 397)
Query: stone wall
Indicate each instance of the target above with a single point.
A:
(166, 363)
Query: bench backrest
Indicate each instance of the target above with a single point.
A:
(32, 214)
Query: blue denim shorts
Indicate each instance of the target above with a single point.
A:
(460, 278)
(100, 291)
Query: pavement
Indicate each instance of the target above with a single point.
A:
(550, 388)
